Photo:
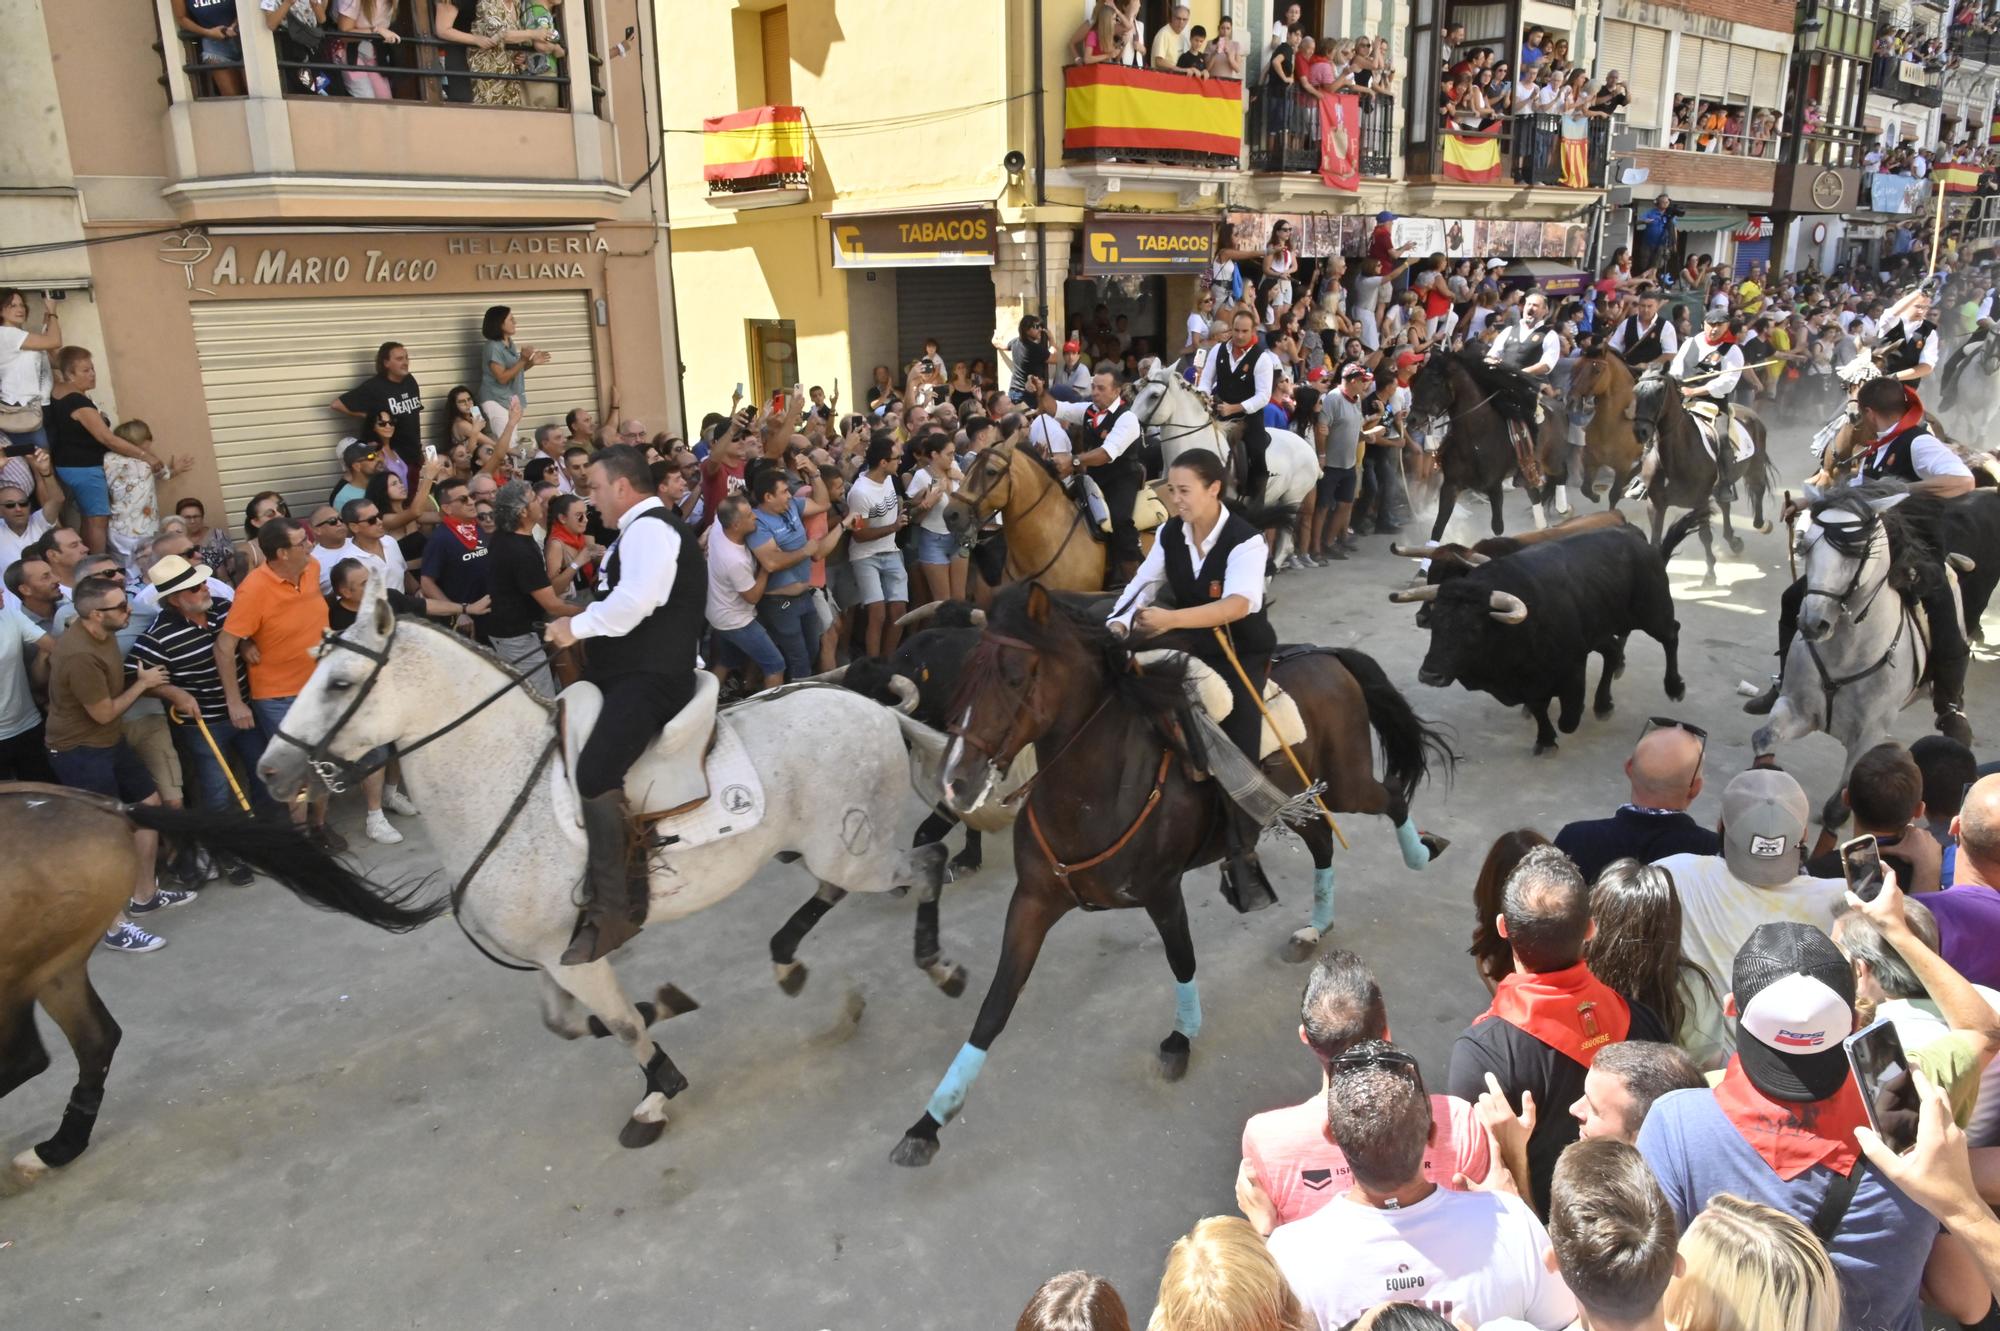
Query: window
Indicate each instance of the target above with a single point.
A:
(1726, 98)
(763, 57)
(1640, 55)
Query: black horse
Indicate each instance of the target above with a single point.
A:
(1462, 397)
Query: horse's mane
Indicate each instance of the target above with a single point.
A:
(1512, 390)
(1076, 624)
(1914, 561)
(510, 671)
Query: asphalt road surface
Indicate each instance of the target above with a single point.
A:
(311, 1124)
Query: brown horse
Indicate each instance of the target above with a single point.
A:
(1601, 387)
(1686, 475)
(1049, 539)
(1453, 396)
(1114, 817)
(71, 863)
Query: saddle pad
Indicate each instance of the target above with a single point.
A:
(735, 803)
(1704, 414)
(1147, 511)
(1206, 687)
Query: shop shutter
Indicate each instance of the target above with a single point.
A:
(953, 305)
(1749, 252)
(1646, 75)
(269, 367)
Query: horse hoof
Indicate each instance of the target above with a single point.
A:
(670, 1001)
(28, 1169)
(1708, 582)
(949, 978)
(1764, 528)
(1174, 1057)
(966, 862)
(1601, 710)
(1301, 946)
(1542, 747)
(1736, 545)
(791, 977)
(1435, 844)
(637, 1133)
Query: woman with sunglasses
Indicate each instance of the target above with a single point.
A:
(570, 553)
(263, 506)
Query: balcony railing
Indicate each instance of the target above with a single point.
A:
(1285, 132)
(1974, 45)
(1120, 113)
(1536, 150)
(756, 158)
(1906, 81)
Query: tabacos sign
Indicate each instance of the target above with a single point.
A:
(943, 238)
(1128, 243)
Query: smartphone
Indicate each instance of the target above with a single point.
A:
(739, 388)
(1861, 861)
(1888, 1091)
(430, 452)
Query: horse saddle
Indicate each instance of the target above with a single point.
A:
(1704, 413)
(1207, 688)
(1147, 511)
(694, 756)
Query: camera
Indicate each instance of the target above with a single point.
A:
(1675, 210)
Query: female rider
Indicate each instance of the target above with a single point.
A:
(1213, 560)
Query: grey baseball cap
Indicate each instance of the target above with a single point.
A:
(1764, 816)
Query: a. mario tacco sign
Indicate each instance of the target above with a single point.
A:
(944, 238)
(1116, 244)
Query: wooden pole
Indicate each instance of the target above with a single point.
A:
(1257, 697)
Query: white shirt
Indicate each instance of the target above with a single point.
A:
(1719, 911)
(875, 501)
(1242, 576)
(18, 636)
(647, 558)
(1481, 1254)
(1197, 329)
(1698, 349)
(1049, 433)
(11, 545)
(1124, 431)
(1520, 333)
(732, 570)
(1670, 341)
(1928, 455)
(920, 482)
(390, 563)
(1266, 366)
(24, 375)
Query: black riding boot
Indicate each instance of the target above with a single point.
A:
(615, 880)
(1949, 657)
(1244, 885)
(1788, 628)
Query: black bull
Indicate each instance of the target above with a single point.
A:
(1523, 628)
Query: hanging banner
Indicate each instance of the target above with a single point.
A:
(1957, 177)
(1340, 142)
(1117, 110)
(1575, 156)
(1472, 158)
(1894, 194)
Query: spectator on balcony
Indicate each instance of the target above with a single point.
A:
(213, 24)
(1225, 53)
(1280, 76)
(1171, 42)
(499, 21)
(290, 21)
(1763, 131)
(1194, 60)
(1613, 96)
(362, 23)
(1532, 52)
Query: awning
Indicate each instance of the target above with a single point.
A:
(1713, 221)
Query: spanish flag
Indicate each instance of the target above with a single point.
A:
(763, 141)
(1473, 159)
(1111, 106)
(1957, 177)
(1994, 137)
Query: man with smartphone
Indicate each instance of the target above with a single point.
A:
(1779, 1127)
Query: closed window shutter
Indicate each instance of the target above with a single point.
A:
(1768, 88)
(1714, 69)
(1742, 73)
(1646, 74)
(1614, 46)
(1687, 69)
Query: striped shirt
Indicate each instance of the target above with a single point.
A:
(187, 652)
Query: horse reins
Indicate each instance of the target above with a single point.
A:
(1055, 487)
(1852, 547)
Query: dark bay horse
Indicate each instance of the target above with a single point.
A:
(1601, 386)
(1454, 392)
(1685, 475)
(1113, 819)
(69, 868)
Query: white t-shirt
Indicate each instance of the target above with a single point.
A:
(920, 483)
(1719, 911)
(18, 636)
(732, 570)
(12, 545)
(1197, 327)
(390, 563)
(24, 375)
(1050, 434)
(875, 501)
(1471, 1255)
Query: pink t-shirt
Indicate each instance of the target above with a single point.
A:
(1302, 1170)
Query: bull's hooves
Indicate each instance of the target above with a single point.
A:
(902, 891)
(673, 1002)
(1541, 748)
(1677, 689)
(1602, 710)
(914, 1152)
(637, 1133)
(953, 984)
(1435, 844)
(1174, 1057)
(1299, 948)
(792, 978)
(1708, 582)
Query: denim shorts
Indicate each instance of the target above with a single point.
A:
(222, 50)
(117, 771)
(881, 578)
(750, 643)
(86, 486)
(936, 547)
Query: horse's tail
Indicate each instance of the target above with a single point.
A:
(1410, 746)
(1269, 517)
(1681, 528)
(279, 850)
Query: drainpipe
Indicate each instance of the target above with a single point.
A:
(1041, 169)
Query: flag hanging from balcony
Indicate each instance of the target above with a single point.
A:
(1575, 152)
(1111, 107)
(1957, 177)
(1340, 141)
(1473, 158)
(763, 141)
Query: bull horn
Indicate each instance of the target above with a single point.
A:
(978, 617)
(1412, 595)
(917, 616)
(1963, 563)
(834, 676)
(1475, 559)
(906, 694)
(1423, 551)
(1507, 608)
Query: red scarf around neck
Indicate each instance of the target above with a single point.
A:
(1793, 1138)
(466, 532)
(1571, 1011)
(1913, 414)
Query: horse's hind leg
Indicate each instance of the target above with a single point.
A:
(562, 1014)
(1168, 909)
(1447, 500)
(1728, 521)
(596, 986)
(93, 1035)
(1495, 498)
(1708, 549)
(945, 973)
(1319, 843)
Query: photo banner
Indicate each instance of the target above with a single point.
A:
(1340, 142)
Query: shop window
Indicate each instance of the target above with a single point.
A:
(774, 357)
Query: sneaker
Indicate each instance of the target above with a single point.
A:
(1306, 561)
(165, 898)
(380, 830)
(239, 873)
(328, 840)
(396, 802)
(1329, 556)
(128, 937)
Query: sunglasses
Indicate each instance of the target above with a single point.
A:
(364, 521)
(13, 503)
(123, 607)
(1381, 1056)
(330, 522)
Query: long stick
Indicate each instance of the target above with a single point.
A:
(221, 761)
(1937, 227)
(1258, 698)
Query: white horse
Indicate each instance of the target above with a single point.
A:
(833, 767)
(1858, 656)
(1165, 403)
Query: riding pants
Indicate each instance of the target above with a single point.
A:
(636, 707)
(1255, 441)
(1119, 484)
(1950, 653)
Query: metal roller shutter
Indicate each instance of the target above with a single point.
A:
(953, 305)
(269, 367)
(1749, 252)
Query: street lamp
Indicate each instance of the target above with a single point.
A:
(1809, 30)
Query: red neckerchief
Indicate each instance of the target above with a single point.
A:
(1913, 414)
(575, 540)
(1793, 1138)
(466, 532)
(1571, 1011)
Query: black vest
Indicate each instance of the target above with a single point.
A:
(1095, 431)
(1252, 634)
(1896, 458)
(1528, 351)
(1907, 352)
(1642, 350)
(664, 642)
(1238, 383)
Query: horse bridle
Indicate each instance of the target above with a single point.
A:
(1148, 423)
(1847, 545)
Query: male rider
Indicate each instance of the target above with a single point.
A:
(1532, 345)
(1238, 380)
(1110, 430)
(1909, 340)
(1645, 337)
(1706, 368)
(652, 592)
(1901, 448)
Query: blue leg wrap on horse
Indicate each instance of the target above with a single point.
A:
(1415, 854)
(949, 1097)
(1323, 898)
(1187, 1009)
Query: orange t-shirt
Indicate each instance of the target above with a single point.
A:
(286, 622)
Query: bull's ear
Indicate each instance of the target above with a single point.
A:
(1039, 604)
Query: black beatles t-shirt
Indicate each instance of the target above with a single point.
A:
(404, 402)
(514, 570)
